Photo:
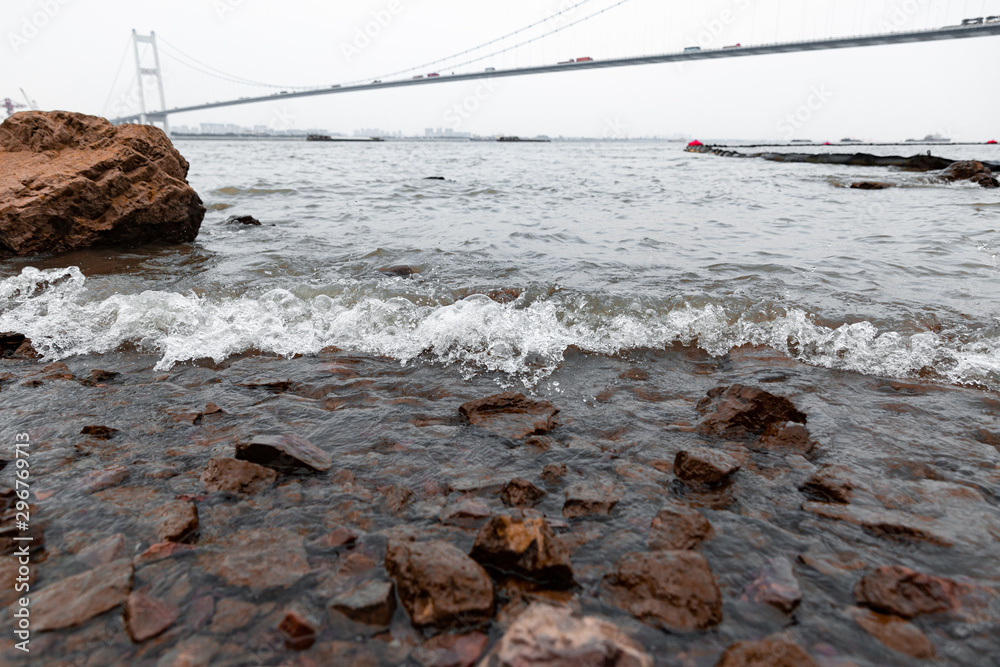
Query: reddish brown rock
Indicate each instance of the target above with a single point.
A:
(258, 559)
(99, 432)
(788, 438)
(964, 170)
(98, 376)
(162, 551)
(548, 636)
(986, 180)
(72, 601)
(146, 617)
(678, 528)
(768, 652)
(298, 630)
(97, 480)
(511, 415)
(339, 537)
(589, 500)
(371, 603)
(451, 650)
(16, 346)
(242, 220)
(438, 584)
(520, 493)
(830, 484)
(870, 185)
(706, 466)
(739, 411)
(236, 476)
(553, 472)
(524, 547)
(178, 522)
(284, 453)
(672, 590)
(70, 181)
(775, 585)
(893, 589)
(467, 512)
(103, 552)
(895, 633)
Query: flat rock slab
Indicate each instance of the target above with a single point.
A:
(146, 617)
(524, 547)
(894, 589)
(284, 453)
(438, 584)
(258, 559)
(706, 466)
(768, 652)
(739, 411)
(178, 522)
(511, 415)
(671, 590)
(589, 500)
(72, 601)
(678, 528)
(371, 603)
(775, 585)
(236, 476)
(894, 633)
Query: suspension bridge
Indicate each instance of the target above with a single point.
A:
(468, 64)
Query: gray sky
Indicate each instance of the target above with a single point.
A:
(65, 54)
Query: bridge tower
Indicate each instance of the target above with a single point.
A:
(149, 117)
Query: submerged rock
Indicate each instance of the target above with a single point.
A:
(589, 500)
(99, 432)
(451, 650)
(401, 271)
(678, 528)
(831, 484)
(985, 180)
(298, 630)
(72, 601)
(548, 636)
(371, 603)
(520, 493)
(894, 633)
(68, 180)
(739, 411)
(768, 652)
(242, 220)
(894, 589)
(284, 453)
(146, 617)
(438, 584)
(178, 522)
(672, 590)
(511, 415)
(258, 559)
(776, 585)
(16, 346)
(524, 547)
(870, 185)
(706, 466)
(236, 476)
(964, 170)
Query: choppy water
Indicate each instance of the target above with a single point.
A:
(613, 246)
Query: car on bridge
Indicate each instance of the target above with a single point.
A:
(419, 76)
(978, 21)
(429, 76)
(585, 60)
(491, 69)
(737, 45)
(993, 19)
(336, 85)
(692, 49)
(566, 62)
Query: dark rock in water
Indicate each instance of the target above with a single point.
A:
(737, 411)
(451, 650)
(678, 528)
(146, 617)
(553, 472)
(284, 453)
(98, 376)
(242, 220)
(589, 500)
(768, 652)
(511, 414)
(371, 603)
(438, 584)
(894, 633)
(73, 601)
(99, 432)
(894, 589)
(548, 636)
(68, 181)
(97, 480)
(298, 630)
(523, 547)
(829, 484)
(986, 180)
(178, 522)
(106, 551)
(257, 559)
(236, 476)
(870, 185)
(16, 346)
(964, 170)
(776, 585)
(789, 437)
(434, 178)
(671, 590)
(520, 493)
(401, 271)
(466, 512)
(706, 466)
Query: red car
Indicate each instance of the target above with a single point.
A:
(584, 60)
(433, 75)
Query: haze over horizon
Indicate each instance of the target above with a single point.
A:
(881, 93)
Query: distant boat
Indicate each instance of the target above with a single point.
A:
(802, 141)
(537, 141)
(850, 140)
(929, 139)
(327, 137)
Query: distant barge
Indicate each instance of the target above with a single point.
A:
(327, 137)
(519, 139)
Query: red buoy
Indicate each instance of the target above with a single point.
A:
(696, 143)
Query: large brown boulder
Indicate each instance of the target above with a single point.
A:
(511, 415)
(68, 180)
(524, 547)
(739, 411)
(894, 589)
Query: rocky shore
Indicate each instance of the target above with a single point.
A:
(339, 509)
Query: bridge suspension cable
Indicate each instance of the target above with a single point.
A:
(174, 53)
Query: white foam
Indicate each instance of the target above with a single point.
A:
(55, 309)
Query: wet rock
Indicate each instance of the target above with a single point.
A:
(706, 466)
(371, 603)
(467, 512)
(339, 537)
(242, 220)
(870, 185)
(72, 601)
(451, 650)
(196, 651)
(788, 438)
(511, 415)
(258, 559)
(396, 498)
(524, 547)
(985, 180)
(236, 476)
(162, 551)
(895, 633)
(106, 551)
(589, 500)
(738, 411)
(178, 522)
(232, 614)
(16, 346)
(964, 170)
(146, 617)
(69, 181)
(678, 528)
(894, 589)
(672, 590)
(553, 472)
(548, 636)
(97, 480)
(890, 524)
(768, 652)
(284, 453)
(775, 585)
(520, 493)
(830, 484)
(438, 584)
(400, 271)
(298, 630)
(98, 376)
(99, 432)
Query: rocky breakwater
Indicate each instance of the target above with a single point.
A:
(69, 181)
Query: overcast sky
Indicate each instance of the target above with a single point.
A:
(66, 53)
